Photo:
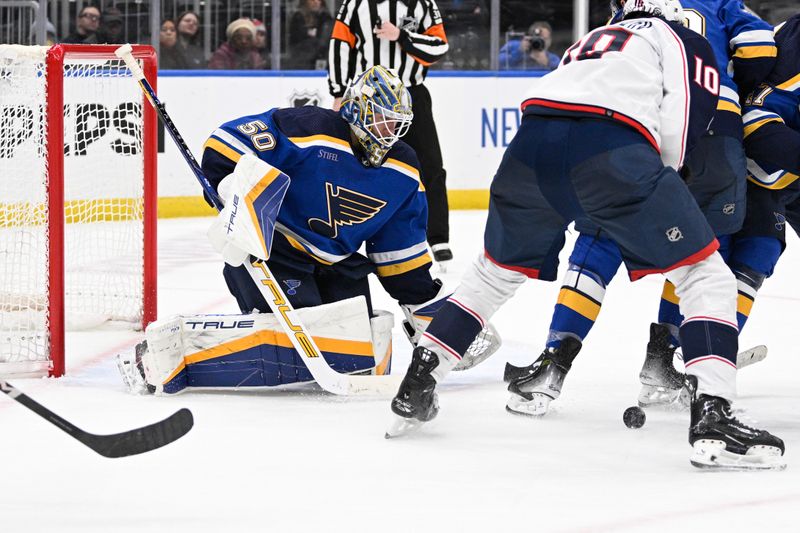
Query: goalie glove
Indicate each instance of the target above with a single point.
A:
(419, 316)
(252, 197)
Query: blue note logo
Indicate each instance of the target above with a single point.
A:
(291, 286)
(345, 208)
(781, 221)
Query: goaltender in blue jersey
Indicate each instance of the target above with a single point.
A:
(335, 203)
(351, 183)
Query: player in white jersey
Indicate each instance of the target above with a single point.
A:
(601, 138)
(715, 173)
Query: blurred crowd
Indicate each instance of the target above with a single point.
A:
(533, 33)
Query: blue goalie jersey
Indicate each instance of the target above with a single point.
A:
(772, 116)
(742, 42)
(334, 204)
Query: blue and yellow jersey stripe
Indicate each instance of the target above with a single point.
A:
(274, 338)
(404, 265)
(755, 118)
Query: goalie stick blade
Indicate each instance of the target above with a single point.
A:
(140, 440)
(752, 356)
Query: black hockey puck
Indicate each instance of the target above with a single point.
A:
(634, 417)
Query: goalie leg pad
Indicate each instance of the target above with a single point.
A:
(238, 351)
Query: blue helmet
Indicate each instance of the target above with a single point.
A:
(378, 108)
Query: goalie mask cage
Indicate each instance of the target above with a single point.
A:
(77, 199)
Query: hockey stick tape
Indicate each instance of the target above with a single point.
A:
(125, 53)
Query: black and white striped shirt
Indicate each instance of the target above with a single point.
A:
(354, 47)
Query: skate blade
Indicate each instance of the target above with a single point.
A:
(750, 357)
(712, 455)
(400, 427)
(652, 396)
(537, 406)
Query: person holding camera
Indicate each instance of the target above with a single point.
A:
(532, 51)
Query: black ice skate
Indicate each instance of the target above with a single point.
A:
(722, 442)
(416, 401)
(532, 393)
(662, 384)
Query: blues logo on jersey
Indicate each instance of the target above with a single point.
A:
(334, 204)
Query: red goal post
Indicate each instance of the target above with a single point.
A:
(78, 148)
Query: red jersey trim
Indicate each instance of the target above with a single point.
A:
(532, 273)
(692, 259)
(594, 110)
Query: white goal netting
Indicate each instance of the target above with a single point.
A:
(103, 202)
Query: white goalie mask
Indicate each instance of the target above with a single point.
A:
(378, 108)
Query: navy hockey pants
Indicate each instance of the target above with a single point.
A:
(560, 169)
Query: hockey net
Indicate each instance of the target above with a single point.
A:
(77, 200)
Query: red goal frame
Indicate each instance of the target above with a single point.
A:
(55, 161)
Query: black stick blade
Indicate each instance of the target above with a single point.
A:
(143, 439)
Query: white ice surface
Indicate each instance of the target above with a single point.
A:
(277, 461)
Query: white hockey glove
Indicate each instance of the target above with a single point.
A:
(419, 316)
(252, 197)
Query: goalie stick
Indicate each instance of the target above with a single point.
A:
(133, 442)
(303, 342)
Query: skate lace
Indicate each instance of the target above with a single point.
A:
(740, 419)
(727, 412)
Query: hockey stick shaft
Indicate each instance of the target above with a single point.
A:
(303, 342)
(125, 53)
(133, 442)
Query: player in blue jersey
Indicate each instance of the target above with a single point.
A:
(714, 171)
(350, 185)
(772, 142)
(353, 183)
(608, 155)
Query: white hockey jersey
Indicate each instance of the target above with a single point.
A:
(654, 76)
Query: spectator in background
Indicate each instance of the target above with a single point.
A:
(189, 47)
(532, 51)
(169, 57)
(50, 34)
(85, 27)
(309, 32)
(260, 43)
(112, 27)
(238, 52)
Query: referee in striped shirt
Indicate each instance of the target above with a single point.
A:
(406, 36)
